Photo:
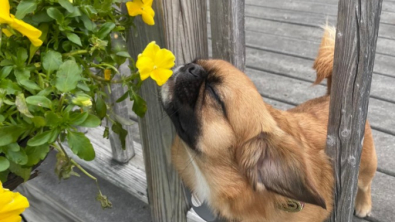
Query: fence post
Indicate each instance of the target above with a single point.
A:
(181, 27)
(227, 31)
(356, 37)
(121, 109)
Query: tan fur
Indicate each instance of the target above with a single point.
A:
(255, 152)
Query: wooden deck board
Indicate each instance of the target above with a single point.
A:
(313, 7)
(258, 26)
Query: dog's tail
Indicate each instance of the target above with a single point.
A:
(323, 64)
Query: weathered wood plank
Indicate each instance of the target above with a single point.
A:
(311, 7)
(227, 31)
(356, 37)
(253, 13)
(300, 68)
(180, 27)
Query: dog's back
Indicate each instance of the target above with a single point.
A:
(318, 109)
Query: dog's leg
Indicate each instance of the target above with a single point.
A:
(363, 201)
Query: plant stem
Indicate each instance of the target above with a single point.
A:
(78, 52)
(113, 81)
(83, 170)
(63, 150)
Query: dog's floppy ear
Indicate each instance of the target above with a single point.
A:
(279, 167)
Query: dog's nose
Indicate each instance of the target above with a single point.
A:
(193, 70)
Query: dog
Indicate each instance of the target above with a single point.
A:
(249, 161)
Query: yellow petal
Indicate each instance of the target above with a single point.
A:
(5, 11)
(148, 18)
(11, 218)
(15, 202)
(161, 76)
(36, 42)
(25, 29)
(164, 59)
(145, 65)
(135, 7)
(7, 32)
(150, 50)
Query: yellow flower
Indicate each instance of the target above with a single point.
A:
(11, 205)
(107, 74)
(24, 28)
(143, 8)
(155, 62)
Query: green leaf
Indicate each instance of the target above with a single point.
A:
(55, 14)
(67, 76)
(91, 121)
(4, 176)
(40, 139)
(4, 164)
(67, 5)
(21, 55)
(25, 7)
(74, 38)
(5, 71)
(51, 61)
(18, 157)
(6, 62)
(89, 25)
(123, 97)
(30, 85)
(9, 86)
(76, 118)
(21, 105)
(123, 54)
(14, 147)
(54, 135)
(38, 121)
(101, 107)
(40, 101)
(35, 154)
(53, 119)
(80, 145)
(122, 133)
(139, 105)
(10, 134)
(23, 172)
(105, 30)
(21, 74)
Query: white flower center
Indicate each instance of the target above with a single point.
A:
(155, 67)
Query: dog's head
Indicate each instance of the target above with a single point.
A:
(222, 120)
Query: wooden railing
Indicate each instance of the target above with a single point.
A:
(356, 37)
(181, 27)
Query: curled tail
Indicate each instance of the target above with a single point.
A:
(323, 64)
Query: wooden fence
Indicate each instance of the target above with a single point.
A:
(181, 26)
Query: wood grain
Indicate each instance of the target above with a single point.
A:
(180, 27)
(227, 31)
(356, 38)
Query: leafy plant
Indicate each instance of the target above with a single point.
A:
(55, 81)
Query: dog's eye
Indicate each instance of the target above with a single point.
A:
(214, 94)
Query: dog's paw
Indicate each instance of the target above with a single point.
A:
(363, 210)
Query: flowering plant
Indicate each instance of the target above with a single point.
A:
(57, 61)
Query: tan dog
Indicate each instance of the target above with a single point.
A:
(246, 159)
